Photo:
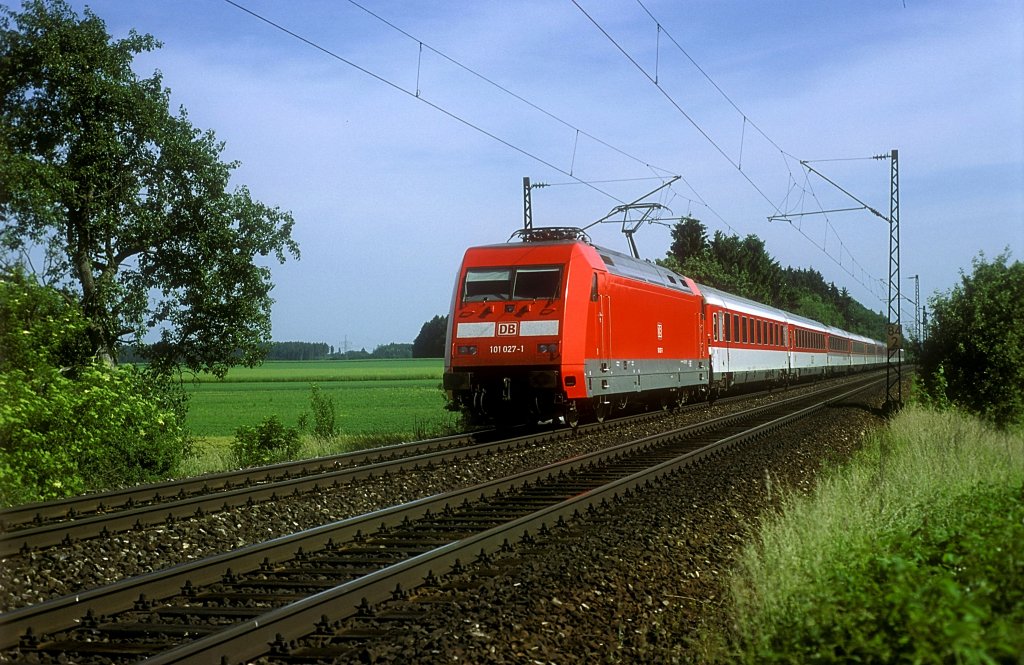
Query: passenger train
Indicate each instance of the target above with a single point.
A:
(557, 327)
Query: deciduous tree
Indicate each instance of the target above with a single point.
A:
(973, 354)
(430, 342)
(129, 202)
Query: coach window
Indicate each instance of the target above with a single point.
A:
(728, 328)
(735, 327)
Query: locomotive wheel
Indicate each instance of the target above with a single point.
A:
(601, 410)
(572, 415)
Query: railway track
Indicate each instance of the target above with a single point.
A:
(47, 523)
(41, 525)
(267, 596)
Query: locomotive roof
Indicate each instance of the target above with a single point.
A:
(617, 263)
(633, 268)
(628, 266)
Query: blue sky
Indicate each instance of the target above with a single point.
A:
(387, 192)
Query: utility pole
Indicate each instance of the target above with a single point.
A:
(917, 309)
(527, 205)
(893, 365)
(894, 329)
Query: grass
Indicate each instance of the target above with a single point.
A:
(914, 552)
(377, 402)
(371, 395)
(323, 371)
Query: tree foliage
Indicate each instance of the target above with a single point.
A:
(68, 423)
(298, 351)
(431, 340)
(973, 354)
(129, 201)
(744, 267)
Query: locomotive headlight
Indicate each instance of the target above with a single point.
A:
(467, 350)
(548, 348)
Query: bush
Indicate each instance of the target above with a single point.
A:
(266, 443)
(70, 424)
(324, 414)
(973, 356)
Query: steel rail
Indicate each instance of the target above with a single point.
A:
(315, 474)
(34, 515)
(64, 613)
(253, 638)
(129, 497)
(41, 516)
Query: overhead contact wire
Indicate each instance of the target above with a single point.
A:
(416, 96)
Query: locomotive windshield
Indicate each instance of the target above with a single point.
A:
(521, 283)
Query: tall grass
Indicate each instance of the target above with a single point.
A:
(913, 552)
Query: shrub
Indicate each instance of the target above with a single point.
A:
(324, 414)
(973, 356)
(68, 423)
(266, 443)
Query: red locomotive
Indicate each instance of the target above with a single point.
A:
(558, 327)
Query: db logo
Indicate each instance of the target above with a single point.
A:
(509, 329)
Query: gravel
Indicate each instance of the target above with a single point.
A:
(590, 591)
(639, 581)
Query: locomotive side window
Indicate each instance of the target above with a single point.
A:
(487, 284)
(537, 283)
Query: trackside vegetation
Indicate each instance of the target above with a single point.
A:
(913, 553)
(70, 423)
(973, 356)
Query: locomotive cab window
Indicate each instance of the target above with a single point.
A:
(536, 283)
(487, 284)
(527, 283)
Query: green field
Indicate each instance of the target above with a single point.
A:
(371, 396)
